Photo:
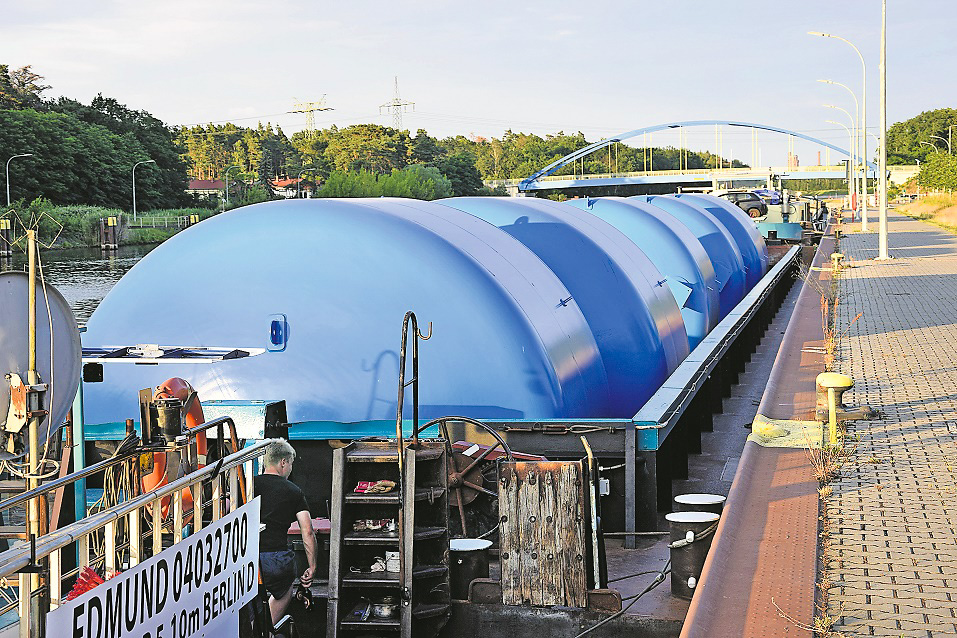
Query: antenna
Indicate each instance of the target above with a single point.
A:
(397, 106)
(309, 108)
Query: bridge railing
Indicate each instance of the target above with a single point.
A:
(115, 535)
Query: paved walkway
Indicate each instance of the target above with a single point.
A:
(893, 513)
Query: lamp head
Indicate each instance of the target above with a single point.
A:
(818, 33)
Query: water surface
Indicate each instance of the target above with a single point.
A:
(82, 275)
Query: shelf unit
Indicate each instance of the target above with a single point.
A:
(419, 503)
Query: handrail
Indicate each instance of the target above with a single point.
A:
(105, 464)
(14, 560)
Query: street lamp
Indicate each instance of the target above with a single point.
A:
(134, 183)
(226, 185)
(853, 155)
(863, 125)
(8, 172)
(933, 146)
(299, 179)
(857, 127)
(850, 183)
(938, 137)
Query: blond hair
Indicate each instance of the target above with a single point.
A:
(277, 450)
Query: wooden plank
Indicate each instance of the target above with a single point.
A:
(543, 559)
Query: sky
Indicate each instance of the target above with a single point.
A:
(481, 68)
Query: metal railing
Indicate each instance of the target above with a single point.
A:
(157, 222)
(36, 598)
(718, 172)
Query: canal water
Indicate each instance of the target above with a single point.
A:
(82, 275)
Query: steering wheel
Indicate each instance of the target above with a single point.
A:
(465, 481)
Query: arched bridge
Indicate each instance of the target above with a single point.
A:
(544, 180)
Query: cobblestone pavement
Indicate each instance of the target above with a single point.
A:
(893, 513)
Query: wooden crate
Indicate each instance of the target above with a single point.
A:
(543, 533)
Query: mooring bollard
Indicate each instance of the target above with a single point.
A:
(835, 385)
(691, 534)
(713, 503)
(837, 260)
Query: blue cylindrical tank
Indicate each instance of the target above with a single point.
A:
(505, 341)
(754, 251)
(722, 249)
(674, 250)
(633, 316)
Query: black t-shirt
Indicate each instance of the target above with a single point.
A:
(281, 501)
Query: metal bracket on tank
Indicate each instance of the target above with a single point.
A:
(26, 402)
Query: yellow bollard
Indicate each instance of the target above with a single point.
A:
(836, 261)
(833, 382)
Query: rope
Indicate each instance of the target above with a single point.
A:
(684, 542)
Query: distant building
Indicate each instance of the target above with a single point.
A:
(793, 160)
(205, 188)
(289, 188)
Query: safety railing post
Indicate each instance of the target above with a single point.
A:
(197, 490)
(177, 516)
(56, 579)
(217, 497)
(109, 551)
(234, 489)
(157, 508)
(135, 519)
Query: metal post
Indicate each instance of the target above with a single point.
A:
(882, 226)
(136, 536)
(226, 186)
(134, 183)
(863, 117)
(832, 416)
(157, 526)
(8, 172)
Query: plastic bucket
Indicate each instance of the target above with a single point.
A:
(713, 503)
(688, 557)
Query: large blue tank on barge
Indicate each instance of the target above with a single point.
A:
(717, 241)
(540, 310)
(674, 250)
(507, 342)
(635, 319)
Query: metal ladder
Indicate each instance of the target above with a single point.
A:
(358, 599)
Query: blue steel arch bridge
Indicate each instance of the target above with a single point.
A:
(546, 180)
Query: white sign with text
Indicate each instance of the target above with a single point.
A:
(192, 589)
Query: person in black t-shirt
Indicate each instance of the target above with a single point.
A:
(282, 503)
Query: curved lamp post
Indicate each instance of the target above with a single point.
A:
(134, 183)
(938, 137)
(299, 180)
(8, 172)
(849, 138)
(853, 156)
(863, 113)
(857, 131)
(226, 185)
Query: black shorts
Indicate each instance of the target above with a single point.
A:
(278, 570)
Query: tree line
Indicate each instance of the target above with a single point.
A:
(83, 154)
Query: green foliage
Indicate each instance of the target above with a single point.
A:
(417, 182)
(939, 173)
(904, 138)
(253, 195)
(20, 88)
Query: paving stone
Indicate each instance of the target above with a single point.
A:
(893, 511)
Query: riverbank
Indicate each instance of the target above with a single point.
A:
(77, 226)
(939, 210)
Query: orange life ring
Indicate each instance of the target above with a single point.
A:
(169, 466)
